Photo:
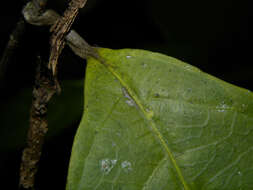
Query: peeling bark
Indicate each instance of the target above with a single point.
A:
(60, 29)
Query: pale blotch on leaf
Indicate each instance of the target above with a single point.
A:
(128, 56)
(107, 165)
(126, 166)
(188, 67)
(149, 112)
(113, 144)
(222, 107)
(129, 100)
(144, 65)
(244, 107)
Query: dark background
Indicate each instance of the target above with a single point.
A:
(212, 35)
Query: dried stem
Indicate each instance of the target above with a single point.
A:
(14, 41)
(45, 87)
(60, 29)
(46, 84)
(79, 46)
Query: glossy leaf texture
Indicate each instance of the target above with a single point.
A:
(152, 122)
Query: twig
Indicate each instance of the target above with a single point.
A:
(60, 28)
(14, 41)
(79, 46)
(46, 84)
(45, 87)
(34, 14)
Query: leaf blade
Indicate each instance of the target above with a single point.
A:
(148, 116)
(164, 93)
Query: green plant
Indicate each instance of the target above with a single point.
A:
(149, 121)
(153, 122)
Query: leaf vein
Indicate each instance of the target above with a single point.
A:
(148, 117)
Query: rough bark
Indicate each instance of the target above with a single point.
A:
(45, 87)
(60, 29)
(46, 84)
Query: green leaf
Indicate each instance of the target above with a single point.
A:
(152, 122)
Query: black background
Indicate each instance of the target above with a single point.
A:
(212, 35)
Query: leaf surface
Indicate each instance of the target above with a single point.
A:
(152, 122)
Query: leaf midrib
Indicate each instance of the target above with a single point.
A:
(148, 117)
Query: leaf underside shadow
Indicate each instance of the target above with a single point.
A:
(152, 122)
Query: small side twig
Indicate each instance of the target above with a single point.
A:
(45, 87)
(60, 29)
(14, 41)
(79, 46)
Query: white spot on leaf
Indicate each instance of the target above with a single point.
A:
(244, 107)
(107, 165)
(222, 107)
(113, 144)
(144, 65)
(128, 56)
(129, 100)
(188, 67)
(149, 112)
(126, 166)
